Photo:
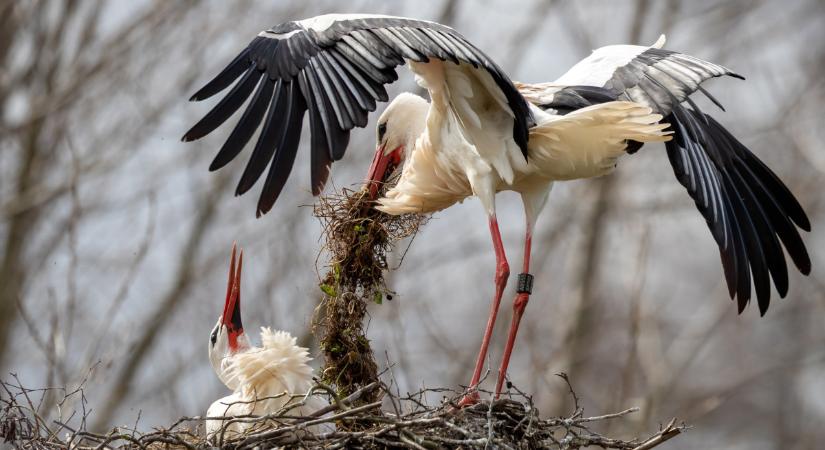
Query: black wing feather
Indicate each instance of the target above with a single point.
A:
(345, 92)
(438, 41)
(337, 73)
(351, 87)
(751, 214)
(227, 76)
(274, 127)
(320, 160)
(756, 222)
(771, 248)
(336, 138)
(751, 238)
(287, 149)
(785, 229)
(372, 90)
(420, 41)
(226, 107)
(336, 101)
(246, 127)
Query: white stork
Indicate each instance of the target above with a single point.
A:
(480, 133)
(264, 378)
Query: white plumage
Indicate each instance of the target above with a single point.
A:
(599, 66)
(444, 167)
(264, 379)
(461, 144)
(269, 377)
(482, 133)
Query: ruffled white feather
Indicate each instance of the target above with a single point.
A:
(268, 376)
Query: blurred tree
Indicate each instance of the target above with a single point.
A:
(629, 295)
(66, 65)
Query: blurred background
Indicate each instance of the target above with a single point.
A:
(114, 237)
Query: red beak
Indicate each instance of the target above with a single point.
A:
(382, 167)
(231, 317)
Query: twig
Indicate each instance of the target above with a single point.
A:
(668, 432)
(606, 416)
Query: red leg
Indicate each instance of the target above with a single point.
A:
(502, 272)
(519, 305)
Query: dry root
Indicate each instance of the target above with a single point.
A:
(357, 238)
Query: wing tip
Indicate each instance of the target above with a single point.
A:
(215, 165)
(803, 222)
(264, 205)
(740, 304)
(318, 188)
(244, 185)
(763, 299)
(660, 42)
(190, 136)
(805, 269)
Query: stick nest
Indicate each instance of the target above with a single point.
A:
(357, 238)
(391, 421)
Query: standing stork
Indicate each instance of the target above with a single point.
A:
(264, 379)
(480, 133)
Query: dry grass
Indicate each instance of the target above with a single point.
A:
(357, 239)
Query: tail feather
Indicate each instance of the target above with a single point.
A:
(588, 142)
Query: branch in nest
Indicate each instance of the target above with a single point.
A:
(507, 423)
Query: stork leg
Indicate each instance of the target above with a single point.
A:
(502, 272)
(519, 304)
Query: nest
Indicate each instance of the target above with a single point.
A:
(391, 421)
(357, 238)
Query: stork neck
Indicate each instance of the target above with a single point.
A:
(242, 343)
(417, 128)
(408, 120)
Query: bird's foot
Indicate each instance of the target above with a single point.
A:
(470, 398)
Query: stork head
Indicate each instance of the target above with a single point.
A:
(398, 128)
(227, 337)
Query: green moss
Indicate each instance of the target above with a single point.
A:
(329, 290)
(357, 239)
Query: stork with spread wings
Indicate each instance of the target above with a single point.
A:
(481, 133)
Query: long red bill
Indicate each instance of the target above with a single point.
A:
(382, 167)
(231, 317)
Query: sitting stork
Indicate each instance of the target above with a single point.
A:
(481, 133)
(264, 379)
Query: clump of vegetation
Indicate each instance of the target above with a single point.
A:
(357, 238)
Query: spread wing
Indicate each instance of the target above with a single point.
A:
(749, 210)
(334, 69)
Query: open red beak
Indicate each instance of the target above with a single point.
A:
(383, 165)
(231, 317)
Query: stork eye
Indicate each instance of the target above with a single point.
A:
(214, 336)
(382, 129)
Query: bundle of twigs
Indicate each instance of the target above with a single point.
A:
(392, 421)
(357, 239)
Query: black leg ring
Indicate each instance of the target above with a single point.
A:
(525, 283)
